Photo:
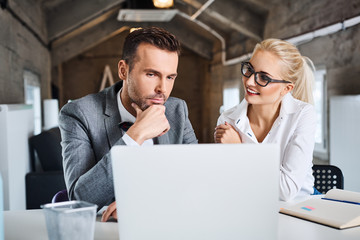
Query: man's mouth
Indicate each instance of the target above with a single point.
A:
(157, 100)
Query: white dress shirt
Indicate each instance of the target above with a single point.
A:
(127, 117)
(294, 131)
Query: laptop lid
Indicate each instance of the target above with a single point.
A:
(205, 191)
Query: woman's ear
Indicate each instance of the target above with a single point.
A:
(122, 70)
(288, 88)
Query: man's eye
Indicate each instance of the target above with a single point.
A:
(171, 78)
(150, 74)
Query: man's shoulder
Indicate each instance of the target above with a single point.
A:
(95, 101)
(89, 101)
(91, 104)
(90, 98)
(174, 100)
(175, 104)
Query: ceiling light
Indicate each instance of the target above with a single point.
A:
(163, 3)
(146, 15)
(134, 29)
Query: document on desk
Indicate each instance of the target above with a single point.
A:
(338, 208)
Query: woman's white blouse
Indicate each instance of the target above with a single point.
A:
(294, 131)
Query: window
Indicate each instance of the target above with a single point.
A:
(320, 103)
(33, 96)
(231, 95)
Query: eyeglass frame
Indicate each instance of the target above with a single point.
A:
(255, 77)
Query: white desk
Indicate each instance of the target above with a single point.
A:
(31, 225)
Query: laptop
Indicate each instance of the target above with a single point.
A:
(204, 191)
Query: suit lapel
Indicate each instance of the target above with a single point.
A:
(164, 139)
(112, 115)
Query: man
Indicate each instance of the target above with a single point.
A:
(91, 126)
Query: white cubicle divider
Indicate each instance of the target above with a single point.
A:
(1, 210)
(51, 113)
(344, 138)
(16, 126)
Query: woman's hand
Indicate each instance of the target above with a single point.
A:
(109, 212)
(226, 133)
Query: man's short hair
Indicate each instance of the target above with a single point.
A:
(155, 36)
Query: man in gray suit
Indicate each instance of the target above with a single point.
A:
(92, 125)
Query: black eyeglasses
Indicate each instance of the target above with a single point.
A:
(260, 77)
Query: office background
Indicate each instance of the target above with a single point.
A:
(61, 48)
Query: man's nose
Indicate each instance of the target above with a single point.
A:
(161, 86)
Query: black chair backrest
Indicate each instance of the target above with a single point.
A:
(327, 177)
(48, 149)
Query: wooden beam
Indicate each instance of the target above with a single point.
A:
(220, 11)
(259, 5)
(83, 28)
(70, 15)
(87, 39)
(71, 47)
(190, 37)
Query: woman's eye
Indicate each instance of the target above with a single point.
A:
(265, 77)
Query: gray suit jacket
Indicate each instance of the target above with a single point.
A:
(89, 128)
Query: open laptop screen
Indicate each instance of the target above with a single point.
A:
(206, 191)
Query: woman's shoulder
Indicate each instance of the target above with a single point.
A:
(293, 105)
(301, 112)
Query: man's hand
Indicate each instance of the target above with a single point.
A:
(149, 123)
(226, 133)
(109, 212)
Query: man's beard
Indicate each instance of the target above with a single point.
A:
(141, 102)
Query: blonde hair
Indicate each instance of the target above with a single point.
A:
(296, 68)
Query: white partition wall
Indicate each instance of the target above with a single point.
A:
(16, 126)
(345, 138)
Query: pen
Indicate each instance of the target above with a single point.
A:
(341, 201)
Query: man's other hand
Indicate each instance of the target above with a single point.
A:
(109, 212)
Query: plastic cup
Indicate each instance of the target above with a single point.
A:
(70, 220)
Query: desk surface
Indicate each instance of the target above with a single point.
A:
(31, 224)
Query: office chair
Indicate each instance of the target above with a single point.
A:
(327, 177)
(46, 177)
(61, 196)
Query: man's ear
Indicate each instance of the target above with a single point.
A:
(122, 70)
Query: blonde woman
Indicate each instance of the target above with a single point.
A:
(277, 109)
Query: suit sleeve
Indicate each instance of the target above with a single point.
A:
(189, 134)
(86, 178)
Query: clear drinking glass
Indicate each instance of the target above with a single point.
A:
(70, 220)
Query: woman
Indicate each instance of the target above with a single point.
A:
(277, 109)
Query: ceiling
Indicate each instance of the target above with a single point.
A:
(228, 26)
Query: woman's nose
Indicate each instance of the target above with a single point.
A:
(250, 80)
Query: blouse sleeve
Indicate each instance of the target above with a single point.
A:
(298, 155)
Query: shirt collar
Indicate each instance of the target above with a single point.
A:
(125, 116)
(289, 105)
(240, 111)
